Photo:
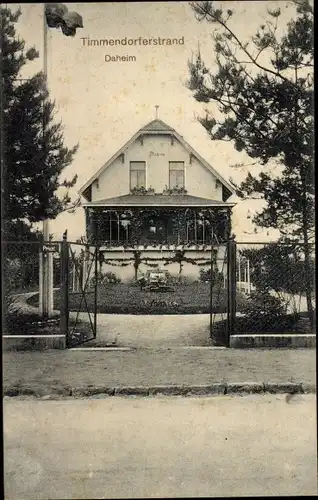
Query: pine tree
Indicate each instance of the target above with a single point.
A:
(263, 90)
(34, 155)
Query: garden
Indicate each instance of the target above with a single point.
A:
(264, 313)
(277, 272)
(127, 298)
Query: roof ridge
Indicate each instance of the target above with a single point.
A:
(157, 124)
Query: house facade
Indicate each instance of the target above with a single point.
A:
(156, 196)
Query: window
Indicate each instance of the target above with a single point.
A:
(199, 228)
(137, 174)
(176, 174)
(114, 227)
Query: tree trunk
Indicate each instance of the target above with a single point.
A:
(136, 271)
(305, 230)
(308, 278)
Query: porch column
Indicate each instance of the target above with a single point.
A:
(97, 225)
(223, 224)
(213, 224)
(182, 227)
(228, 230)
(136, 224)
(90, 224)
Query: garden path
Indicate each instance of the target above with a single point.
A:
(149, 331)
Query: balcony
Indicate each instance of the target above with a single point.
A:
(164, 229)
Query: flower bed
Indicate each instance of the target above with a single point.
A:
(122, 298)
(30, 324)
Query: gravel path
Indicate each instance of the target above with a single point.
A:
(162, 331)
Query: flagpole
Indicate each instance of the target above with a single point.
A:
(46, 221)
(69, 21)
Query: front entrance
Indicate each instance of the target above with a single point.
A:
(127, 310)
(78, 293)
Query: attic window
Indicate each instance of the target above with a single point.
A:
(142, 140)
(226, 193)
(137, 174)
(96, 182)
(217, 183)
(88, 193)
(176, 174)
(191, 157)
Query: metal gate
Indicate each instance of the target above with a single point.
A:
(78, 299)
(223, 292)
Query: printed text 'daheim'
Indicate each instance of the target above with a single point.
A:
(117, 58)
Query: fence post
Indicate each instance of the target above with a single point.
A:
(248, 273)
(51, 285)
(231, 289)
(41, 310)
(95, 289)
(211, 287)
(239, 271)
(64, 312)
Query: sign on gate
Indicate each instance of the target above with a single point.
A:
(50, 248)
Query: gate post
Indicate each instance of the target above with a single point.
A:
(41, 277)
(231, 289)
(64, 312)
(96, 288)
(211, 288)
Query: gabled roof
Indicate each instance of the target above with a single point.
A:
(157, 127)
(154, 200)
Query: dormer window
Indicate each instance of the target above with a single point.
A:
(176, 174)
(137, 174)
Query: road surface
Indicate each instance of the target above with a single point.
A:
(160, 447)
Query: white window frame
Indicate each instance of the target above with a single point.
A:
(177, 170)
(129, 173)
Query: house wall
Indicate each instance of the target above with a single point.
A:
(127, 273)
(112, 182)
(156, 151)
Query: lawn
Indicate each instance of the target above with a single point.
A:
(125, 298)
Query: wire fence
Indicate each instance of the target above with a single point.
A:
(20, 277)
(277, 281)
(274, 285)
(20, 266)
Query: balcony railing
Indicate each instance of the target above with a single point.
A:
(154, 245)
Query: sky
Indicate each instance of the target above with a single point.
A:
(102, 104)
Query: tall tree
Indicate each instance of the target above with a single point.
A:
(34, 155)
(263, 91)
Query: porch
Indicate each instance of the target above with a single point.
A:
(149, 222)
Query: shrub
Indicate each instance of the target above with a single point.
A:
(263, 313)
(287, 323)
(105, 278)
(112, 278)
(205, 276)
(178, 280)
(16, 322)
(262, 303)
